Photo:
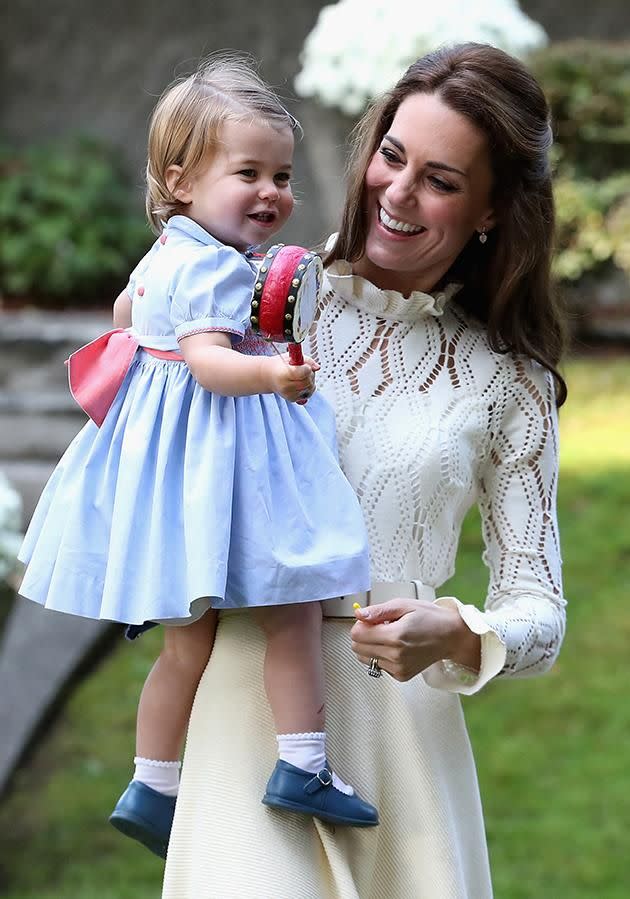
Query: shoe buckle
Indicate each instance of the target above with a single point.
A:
(325, 777)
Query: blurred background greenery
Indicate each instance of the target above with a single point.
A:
(550, 751)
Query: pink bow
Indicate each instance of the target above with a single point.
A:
(96, 371)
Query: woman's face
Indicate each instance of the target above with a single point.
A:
(428, 190)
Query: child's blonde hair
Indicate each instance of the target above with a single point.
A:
(185, 123)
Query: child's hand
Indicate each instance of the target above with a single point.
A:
(293, 382)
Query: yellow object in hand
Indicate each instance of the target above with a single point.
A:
(355, 605)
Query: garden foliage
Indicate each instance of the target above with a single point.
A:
(587, 84)
(68, 228)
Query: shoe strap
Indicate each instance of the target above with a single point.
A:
(323, 778)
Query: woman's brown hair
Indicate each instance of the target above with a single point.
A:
(507, 282)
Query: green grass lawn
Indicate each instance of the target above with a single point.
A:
(552, 752)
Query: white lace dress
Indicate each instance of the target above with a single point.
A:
(429, 421)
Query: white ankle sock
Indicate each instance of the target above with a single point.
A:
(160, 776)
(308, 752)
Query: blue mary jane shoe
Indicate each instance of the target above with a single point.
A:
(146, 816)
(295, 790)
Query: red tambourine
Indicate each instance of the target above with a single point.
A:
(286, 295)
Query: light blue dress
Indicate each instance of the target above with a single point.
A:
(184, 499)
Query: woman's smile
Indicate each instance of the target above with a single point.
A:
(397, 227)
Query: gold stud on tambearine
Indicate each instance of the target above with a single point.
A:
(287, 291)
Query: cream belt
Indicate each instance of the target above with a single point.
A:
(342, 607)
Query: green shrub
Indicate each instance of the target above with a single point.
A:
(593, 224)
(587, 84)
(68, 227)
(618, 225)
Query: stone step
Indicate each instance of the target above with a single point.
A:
(38, 417)
(44, 402)
(33, 348)
(36, 437)
(37, 327)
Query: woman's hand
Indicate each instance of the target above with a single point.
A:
(409, 635)
(293, 382)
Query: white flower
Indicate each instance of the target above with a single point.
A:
(10, 518)
(359, 48)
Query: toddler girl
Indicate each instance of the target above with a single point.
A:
(206, 485)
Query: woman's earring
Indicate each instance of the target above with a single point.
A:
(483, 236)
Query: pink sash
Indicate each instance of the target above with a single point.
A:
(96, 370)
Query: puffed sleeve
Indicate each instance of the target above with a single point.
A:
(522, 625)
(211, 291)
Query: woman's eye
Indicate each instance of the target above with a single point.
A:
(388, 154)
(444, 186)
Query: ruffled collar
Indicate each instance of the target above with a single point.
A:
(388, 304)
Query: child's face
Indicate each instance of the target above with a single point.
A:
(244, 196)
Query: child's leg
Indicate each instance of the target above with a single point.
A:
(166, 702)
(294, 683)
(294, 680)
(145, 810)
(294, 668)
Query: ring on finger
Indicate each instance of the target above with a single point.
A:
(374, 669)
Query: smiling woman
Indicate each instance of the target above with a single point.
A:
(490, 121)
(424, 197)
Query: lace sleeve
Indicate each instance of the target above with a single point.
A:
(517, 499)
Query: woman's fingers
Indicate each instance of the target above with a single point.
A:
(395, 669)
(391, 610)
(405, 646)
(382, 664)
(376, 642)
(373, 634)
(389, 654)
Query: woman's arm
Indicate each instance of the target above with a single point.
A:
(525, 604)
(456, 646)
(219, 369)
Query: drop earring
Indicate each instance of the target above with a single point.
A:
(483, 236)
